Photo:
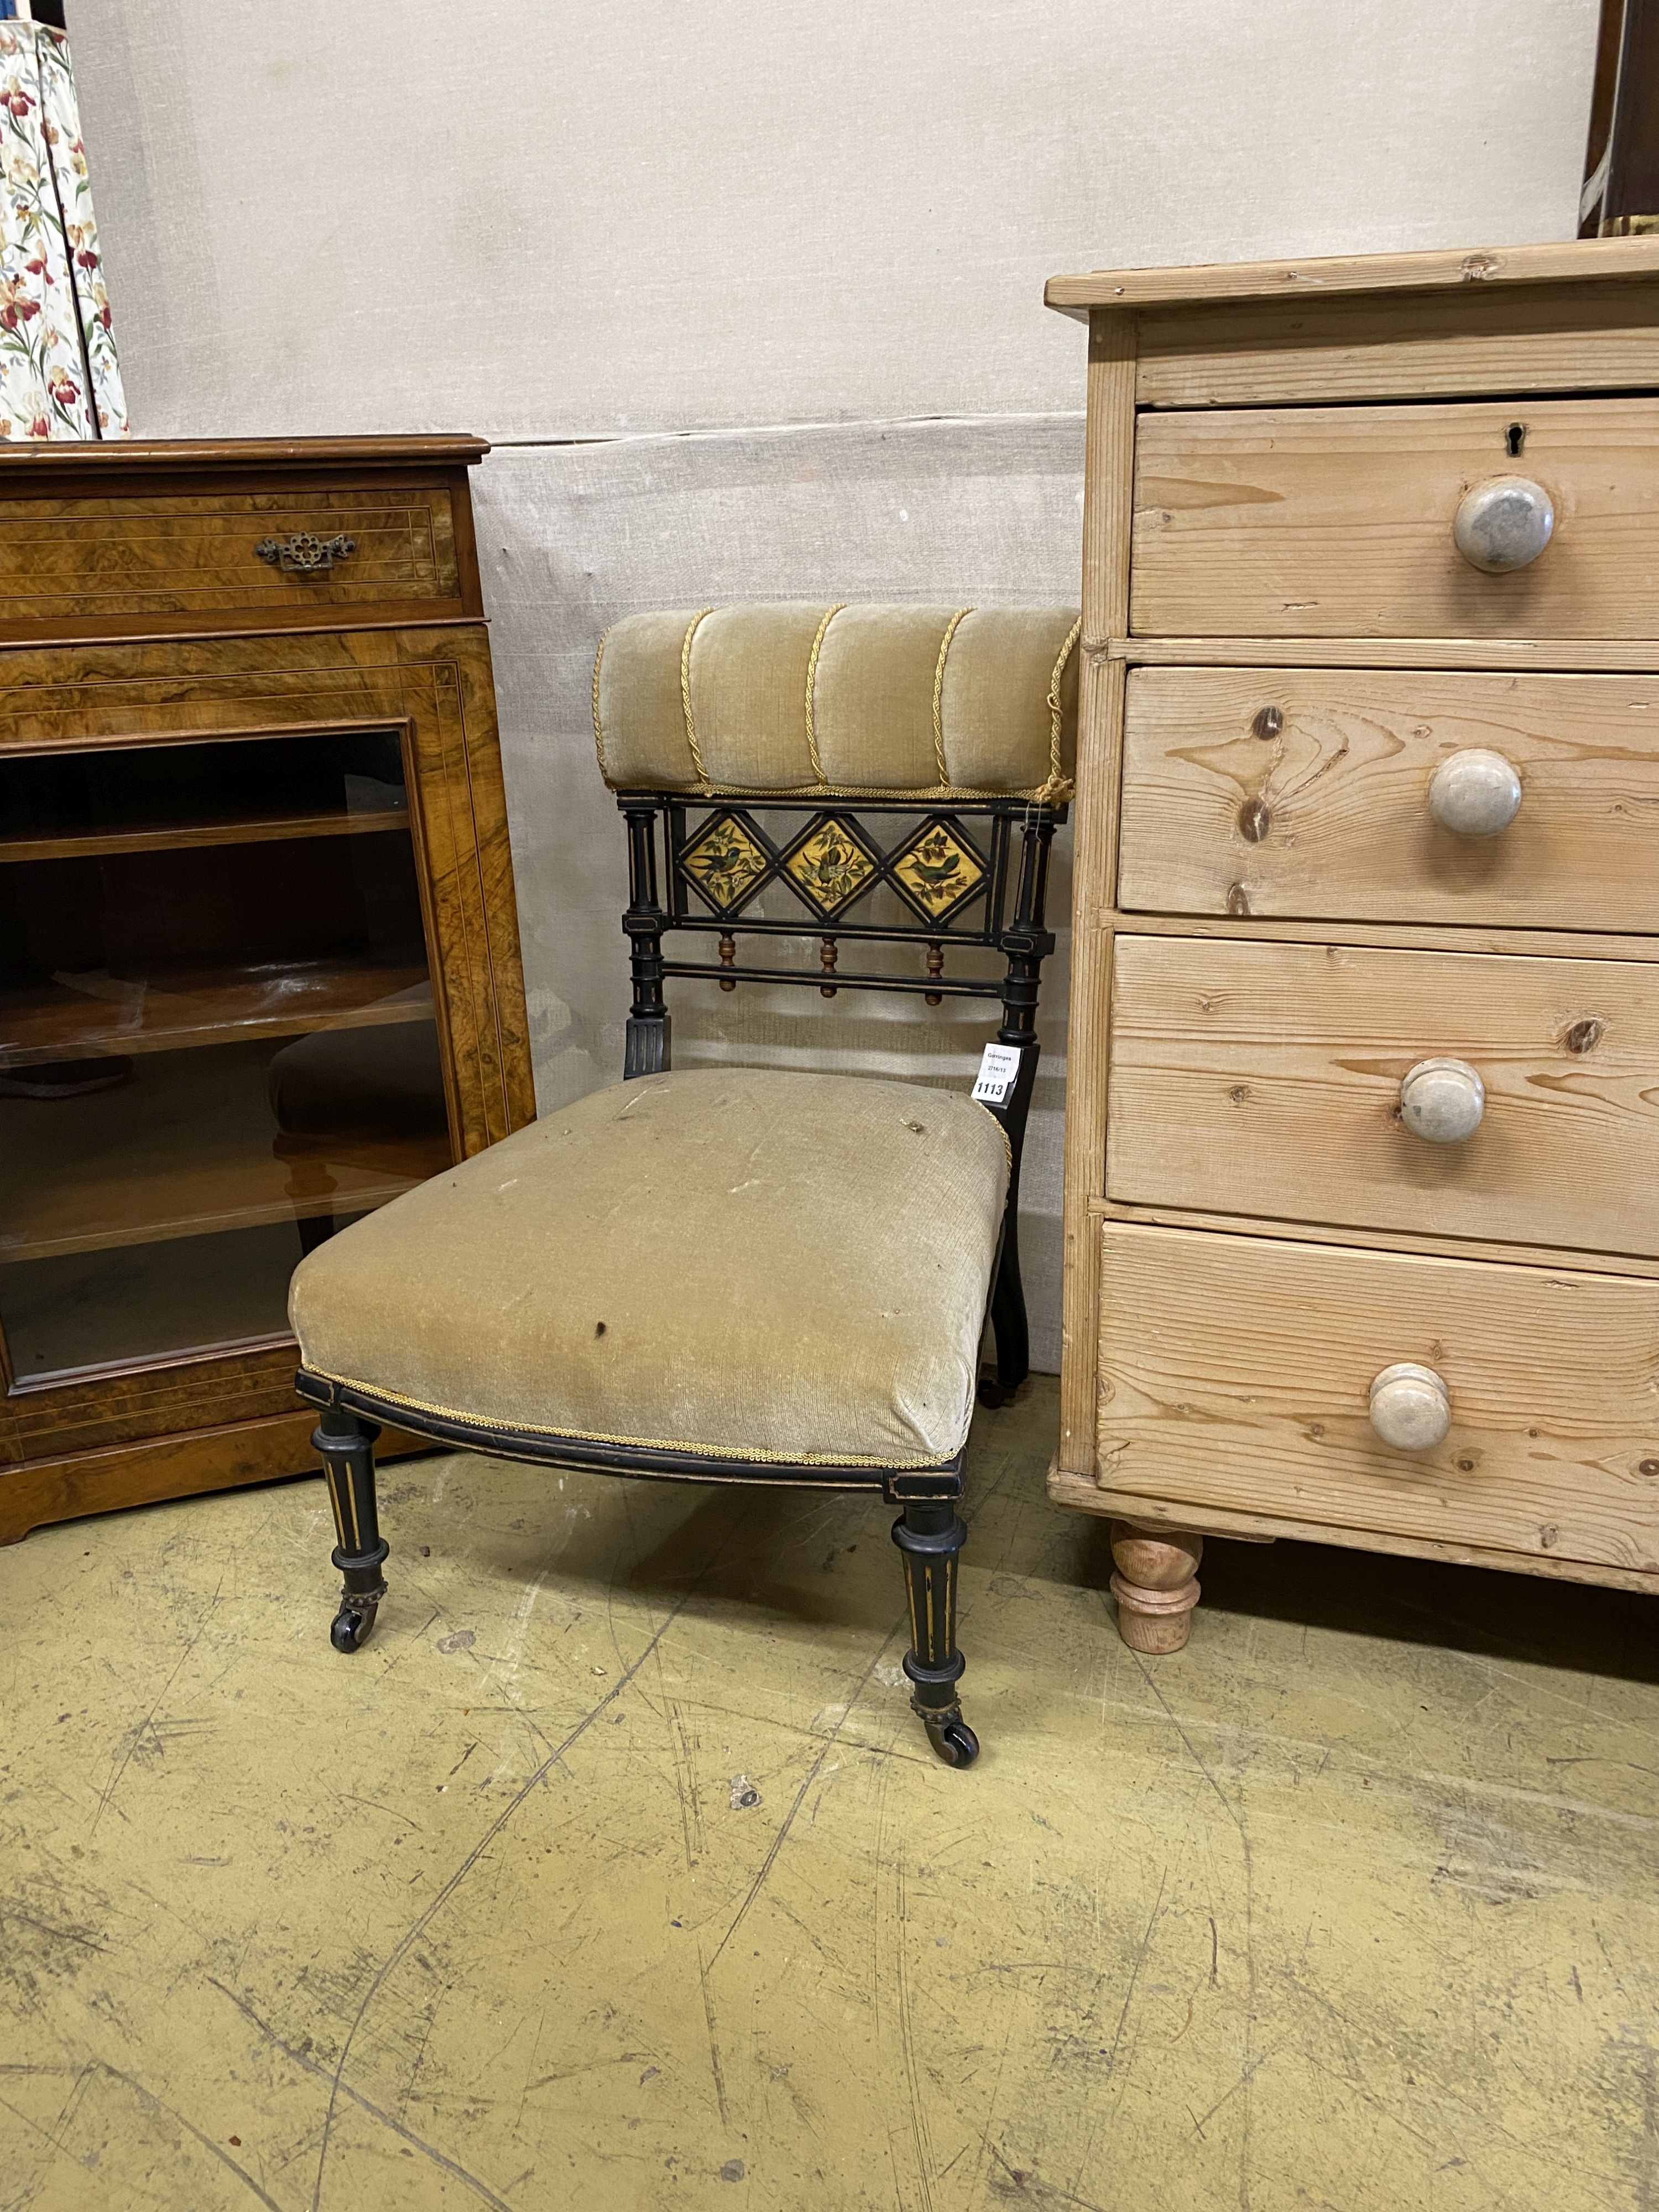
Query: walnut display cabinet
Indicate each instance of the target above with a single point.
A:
(258, 954)
(1363, 1117)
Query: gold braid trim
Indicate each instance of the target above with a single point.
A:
(598, 734)
(685, 699)
(951, 628)
(811, 683)
(1058, 789)
(749, 1457)
(738, 793)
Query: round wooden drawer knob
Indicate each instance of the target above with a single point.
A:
(1474, 793)
(1411, 1407)
(1504, 525)
(1441, 1101)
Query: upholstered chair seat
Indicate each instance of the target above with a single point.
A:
(778, 1270)
(738, 1274)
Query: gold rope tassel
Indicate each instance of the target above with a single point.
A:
(950, 629)
(685, 700)
(598, 734)
(1057, 792)
(811, 686)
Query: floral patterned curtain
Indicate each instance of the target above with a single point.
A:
(58, 374)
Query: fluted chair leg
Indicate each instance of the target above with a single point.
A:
(1009, 1327)
(930, 1535)
(347, 1445)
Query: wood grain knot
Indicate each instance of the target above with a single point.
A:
(1585, 1036)
(1266, 722)
(1254, 820)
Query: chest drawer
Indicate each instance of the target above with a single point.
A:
(1270, 1079)
(1237, 1372)
(1373, 796)
(1340, 521)
(210, 553)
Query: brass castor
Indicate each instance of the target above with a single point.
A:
(346, 1444)
(929, 1536)
(354, 1624)
(952, 1738)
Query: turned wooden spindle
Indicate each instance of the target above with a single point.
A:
(1155, 1585)
(935, 967)
(728, 955)
(827, 955)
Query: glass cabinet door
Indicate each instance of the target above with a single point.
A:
(217, 1041)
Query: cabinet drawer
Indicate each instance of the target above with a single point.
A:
(1307, 791)
(1338, 522)
(1263, 1078)
(1465, 341)
(1236, 1372)
(199, 553)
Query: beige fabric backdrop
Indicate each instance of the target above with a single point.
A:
(748, 293)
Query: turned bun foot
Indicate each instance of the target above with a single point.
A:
(1155, 1585)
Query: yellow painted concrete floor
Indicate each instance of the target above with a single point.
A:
(615, 1872)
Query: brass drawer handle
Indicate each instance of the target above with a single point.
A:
(305, 554)
(1504, 525)
(1474, 793)
(1410, 1406)
(1441, 1101)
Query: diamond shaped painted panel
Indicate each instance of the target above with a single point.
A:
(937, 870)
(725, 862)
(829, 866)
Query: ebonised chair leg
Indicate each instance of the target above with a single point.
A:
(645, 1044)
(1008, 1326)
(347, 1445)
(930, 1535)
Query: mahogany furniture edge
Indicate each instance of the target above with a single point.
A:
(156, 1468)
(178, 456)
(180, 1424)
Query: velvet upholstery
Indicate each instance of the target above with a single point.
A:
(847, 700)
(759, 1265)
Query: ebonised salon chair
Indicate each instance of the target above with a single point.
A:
(740, 1274)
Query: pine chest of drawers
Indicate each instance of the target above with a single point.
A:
(1362, 1174)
